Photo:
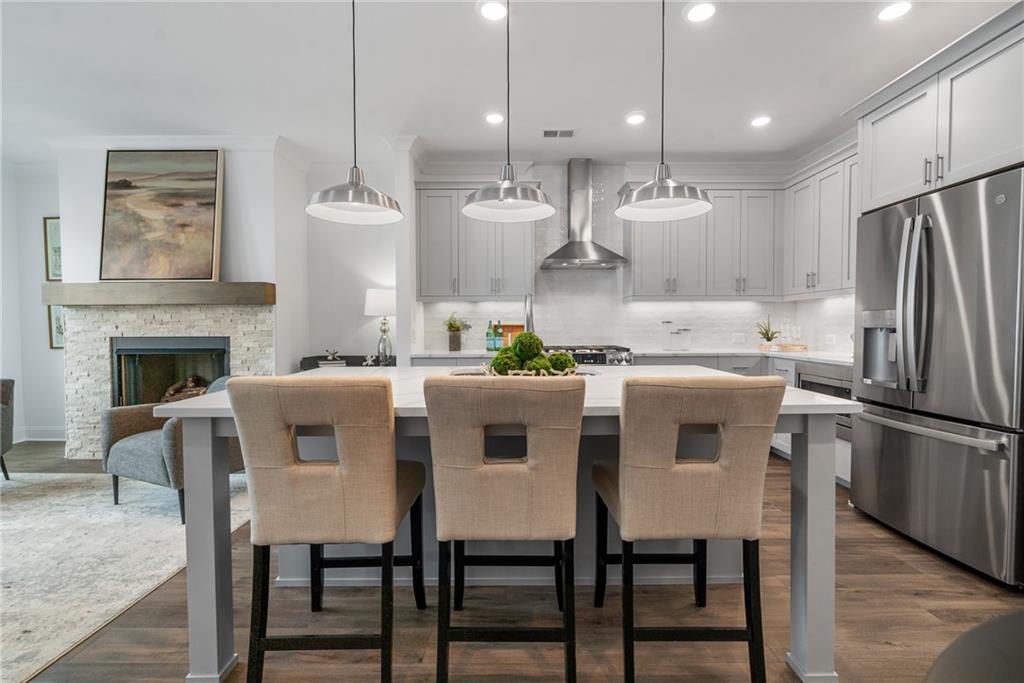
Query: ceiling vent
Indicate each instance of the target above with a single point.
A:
(558, 133)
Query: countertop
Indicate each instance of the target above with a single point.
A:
(827, 357)
(604, 391)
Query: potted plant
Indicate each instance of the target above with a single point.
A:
(455, 327)
(769, 334)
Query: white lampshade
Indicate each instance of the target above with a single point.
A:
(379, 302)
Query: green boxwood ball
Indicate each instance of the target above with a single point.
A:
(561, 361)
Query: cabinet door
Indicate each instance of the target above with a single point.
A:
(688, 260)
(742, 365)
(897, 147)
(827, 268)
(852, 213)
(757, 243)
(981, 110)
(724, 242)
(650, 264)
(800, 236)
(477, 249)
(438, 226)
(515, 259)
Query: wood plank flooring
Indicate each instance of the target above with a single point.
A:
(898, 606)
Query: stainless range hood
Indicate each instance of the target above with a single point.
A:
(581, 251)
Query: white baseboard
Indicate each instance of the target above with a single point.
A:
(355, 581)
(43, 434)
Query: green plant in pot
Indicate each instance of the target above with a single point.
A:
(526, 356)
(455, 327)
(768, 334)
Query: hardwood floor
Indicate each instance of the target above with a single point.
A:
(898, 605)
(46, 457)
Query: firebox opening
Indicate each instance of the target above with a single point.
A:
(155, 369)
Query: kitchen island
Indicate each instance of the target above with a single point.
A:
(809, 417)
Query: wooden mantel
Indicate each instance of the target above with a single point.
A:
(158, 293)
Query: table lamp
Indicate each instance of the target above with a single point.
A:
(381, 302)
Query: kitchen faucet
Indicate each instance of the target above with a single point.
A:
(528, 312)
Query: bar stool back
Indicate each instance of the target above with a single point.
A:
(652, 495)
(528, 499)
(360, 498)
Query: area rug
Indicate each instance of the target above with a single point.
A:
(70, 560)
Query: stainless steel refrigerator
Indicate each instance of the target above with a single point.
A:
(939, 363)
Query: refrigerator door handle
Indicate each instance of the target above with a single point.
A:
(915, 378)
(901, 305)
(990, 445)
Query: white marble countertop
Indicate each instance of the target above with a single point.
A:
(604, 390)
(828, 357)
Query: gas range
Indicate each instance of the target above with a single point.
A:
(596, 354)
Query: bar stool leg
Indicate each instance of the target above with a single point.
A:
(387, 609)
(752, 605)
(568, 562)
(258, 620)
(700, 572)
(559, 589)
(316, 577)
(416, 529)
(460, 573)
(601, 559)
(627, 612)
(444, 598)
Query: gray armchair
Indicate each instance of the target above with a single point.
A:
(136, 445)
(6, 421)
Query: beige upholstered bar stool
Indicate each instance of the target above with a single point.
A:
(532, 498)
(652, 495)
(360, 498)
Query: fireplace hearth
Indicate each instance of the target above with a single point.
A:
(155, 369)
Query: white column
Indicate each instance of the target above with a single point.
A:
(407, 335)
(211, 639)
(812, 552)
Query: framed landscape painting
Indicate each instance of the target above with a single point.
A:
(161, 215)
(51, 248)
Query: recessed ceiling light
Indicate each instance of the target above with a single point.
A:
(702, 11)
(635, 118)
(495, 117)
(894, 11)
(759, 121)
(495, 11)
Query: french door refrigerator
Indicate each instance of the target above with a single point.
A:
(938, 364)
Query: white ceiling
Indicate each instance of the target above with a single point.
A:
(433, 69)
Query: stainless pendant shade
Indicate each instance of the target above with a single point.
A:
(663, 199)
(354, 202)
(508, 201)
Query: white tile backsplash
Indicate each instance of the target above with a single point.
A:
(586, 306)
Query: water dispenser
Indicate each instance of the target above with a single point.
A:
(879, 330)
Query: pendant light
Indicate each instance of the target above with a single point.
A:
(508, 200)
(354, 202)
(663, 199)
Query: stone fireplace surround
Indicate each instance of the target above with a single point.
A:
(87, 367)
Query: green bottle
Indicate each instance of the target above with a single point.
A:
(489, 337)
(499, 337)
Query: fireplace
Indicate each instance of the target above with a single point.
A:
(143, 369)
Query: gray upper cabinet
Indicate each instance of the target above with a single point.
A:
(437, 242)
(981, 110)
(757, 243)
(687, 248)
(897, 146)
(817, 231)
(961, 123)
(666, 259)
(462, 258)
(827, 273)
(724, 242)
(852, 213)
(801, 235)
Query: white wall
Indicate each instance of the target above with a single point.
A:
(344, 260)
(291, 328)
(10, 295)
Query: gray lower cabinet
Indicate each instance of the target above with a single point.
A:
(784, 368)
(742, 365)
(703, 361)
(446, 361)
(462, 258)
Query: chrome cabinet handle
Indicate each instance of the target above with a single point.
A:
(673, 285)
(940, 161)
(497, 285)
(814, 279)
(455, 285)
(807, 281)
(743, 284)
(668, 286)
(991, 445)
(927, 171)
(737, 284)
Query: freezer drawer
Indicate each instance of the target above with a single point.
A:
(952, 487)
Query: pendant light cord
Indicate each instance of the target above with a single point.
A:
(508, 84)
(662, 81)
(354, 164)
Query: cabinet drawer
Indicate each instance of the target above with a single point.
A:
(472, 361)
(785, 369)
(703, 361)
(741, 365)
